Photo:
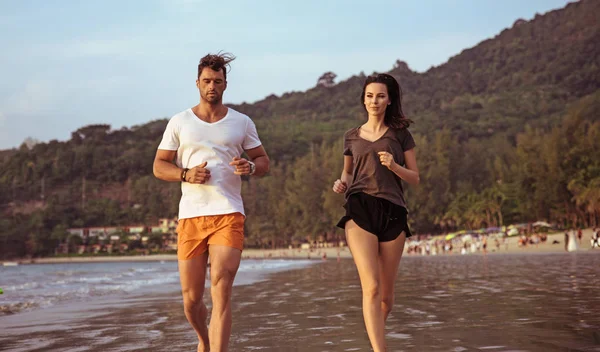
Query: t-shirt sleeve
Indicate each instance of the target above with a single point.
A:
(170, 140)
(407, 141)
(347, 145)
(251, 140)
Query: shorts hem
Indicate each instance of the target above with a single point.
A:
(227, 245)
(195, 255)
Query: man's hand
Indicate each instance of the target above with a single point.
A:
(198, 174)
(242, 166)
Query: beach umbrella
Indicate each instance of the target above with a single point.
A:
(541, 224)
(450, 236)
(513, 232)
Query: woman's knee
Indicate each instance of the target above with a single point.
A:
(371, 290)
(387, 303)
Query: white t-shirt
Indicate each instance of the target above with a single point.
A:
(217, 143)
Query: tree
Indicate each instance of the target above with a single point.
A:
(326, 80)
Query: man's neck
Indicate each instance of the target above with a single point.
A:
(210, 112)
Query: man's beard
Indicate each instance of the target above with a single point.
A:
(213, 99)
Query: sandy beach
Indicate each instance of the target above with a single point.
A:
(509, 247)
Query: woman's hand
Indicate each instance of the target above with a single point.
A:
(340, 186)
(386, 159)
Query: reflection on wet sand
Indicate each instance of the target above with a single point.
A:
(478, 303)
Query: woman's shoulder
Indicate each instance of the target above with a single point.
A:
(403, 131)
(351, 132)
(405, 138)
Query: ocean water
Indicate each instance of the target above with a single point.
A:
(40, 286)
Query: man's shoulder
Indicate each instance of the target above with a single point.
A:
(237, 115)
(180, 116)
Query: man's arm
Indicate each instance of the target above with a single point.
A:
(260, 159)
(164, 168)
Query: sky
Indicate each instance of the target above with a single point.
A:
(67, 64)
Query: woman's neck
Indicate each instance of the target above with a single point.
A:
(375, 123)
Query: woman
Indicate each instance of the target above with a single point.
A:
(377, 156)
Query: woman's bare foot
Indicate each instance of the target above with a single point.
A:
(203, 348)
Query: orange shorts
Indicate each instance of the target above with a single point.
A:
(194, 235)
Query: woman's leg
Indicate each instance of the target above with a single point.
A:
(365, 251)
(389, 261)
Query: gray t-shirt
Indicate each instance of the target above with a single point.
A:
(369, 176)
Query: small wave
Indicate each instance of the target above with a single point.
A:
(14, 308)
(25, 286)
(144, 270)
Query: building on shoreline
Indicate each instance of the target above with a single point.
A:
(138, 237)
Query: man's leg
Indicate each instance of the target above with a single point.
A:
(224, 263)
(192, 273)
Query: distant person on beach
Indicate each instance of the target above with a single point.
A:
(378, 155)
(566, 241)
(595, 240)
(202, 148)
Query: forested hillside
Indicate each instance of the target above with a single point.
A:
(507, 131)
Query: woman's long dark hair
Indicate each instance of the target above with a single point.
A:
(394, 116)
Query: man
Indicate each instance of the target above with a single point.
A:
(201, 148)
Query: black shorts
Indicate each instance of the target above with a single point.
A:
(376, 215)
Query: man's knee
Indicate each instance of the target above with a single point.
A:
(192, 300)
(222, 282)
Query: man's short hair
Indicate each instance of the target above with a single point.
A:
(216, 62)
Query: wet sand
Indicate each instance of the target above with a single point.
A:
(538, 302)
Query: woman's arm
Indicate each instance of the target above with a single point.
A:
(346, 176)
(341, 184)
(410, 173)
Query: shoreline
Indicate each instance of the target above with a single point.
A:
(509, 247)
